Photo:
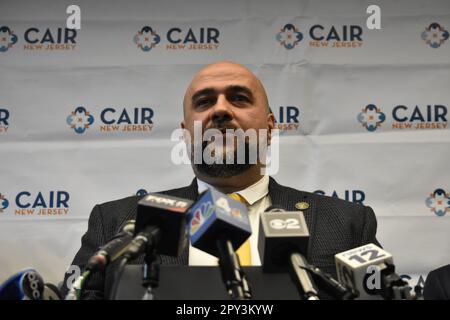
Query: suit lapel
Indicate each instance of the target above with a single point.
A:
(288, 198)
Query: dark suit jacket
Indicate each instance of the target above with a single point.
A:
(437, 285)
(335, 225)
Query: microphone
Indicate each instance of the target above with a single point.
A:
(303, 279)
(113, 249)
(219, 225)
(369, 272)
(51, 292)
(28, 285)
(283, 237)
(164, 214)
(108, 253)
(160, 229)
(330, 285)
(24, 285)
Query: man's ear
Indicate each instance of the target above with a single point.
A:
(186, 136)
(271, 126)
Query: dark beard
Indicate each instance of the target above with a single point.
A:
(216, 170)
(222, 170)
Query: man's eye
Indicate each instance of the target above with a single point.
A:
(203, 102)
(240, 98)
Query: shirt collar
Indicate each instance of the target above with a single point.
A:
(251, 194)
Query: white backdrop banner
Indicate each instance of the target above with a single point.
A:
(363, 113)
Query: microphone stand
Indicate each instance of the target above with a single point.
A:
(393, 287)
(232, 275)
(330, 285)
(150, 275)
(145, 241)
(303, 281)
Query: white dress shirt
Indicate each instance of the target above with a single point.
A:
(257, 195)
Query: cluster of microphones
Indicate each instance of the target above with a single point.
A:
(219, 225)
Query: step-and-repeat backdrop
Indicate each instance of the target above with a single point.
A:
(86, 115)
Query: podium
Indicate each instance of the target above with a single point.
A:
(204, 283)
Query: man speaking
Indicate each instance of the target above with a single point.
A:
(227, 97)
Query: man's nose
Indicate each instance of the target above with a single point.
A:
(221, 112)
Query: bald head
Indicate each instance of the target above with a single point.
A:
(225, 72)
